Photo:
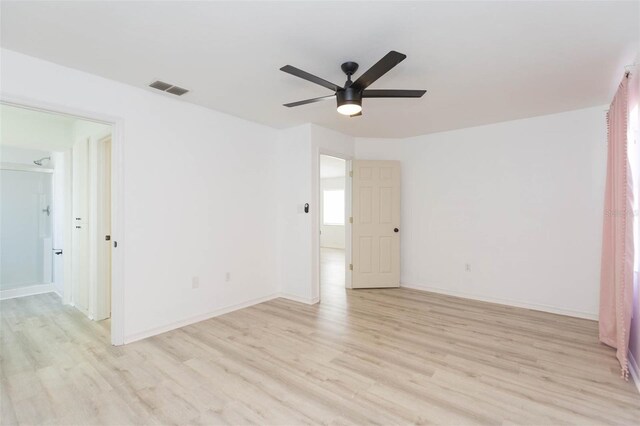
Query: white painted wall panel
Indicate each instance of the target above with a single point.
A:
(520, 202)
(199, 194)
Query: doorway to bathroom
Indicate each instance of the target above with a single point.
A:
(55, 215)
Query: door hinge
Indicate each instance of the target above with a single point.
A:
(351, 266)
(351, 219)
(351, 174)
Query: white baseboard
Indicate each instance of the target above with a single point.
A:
(507, 302)
(26, 291)
(177, 324)
(298, 299)
(634, 370)
(182, 323)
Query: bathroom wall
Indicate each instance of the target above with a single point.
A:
(12, 154)
(25, 225)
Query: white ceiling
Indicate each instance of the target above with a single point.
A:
(481, 62)
(331, 167)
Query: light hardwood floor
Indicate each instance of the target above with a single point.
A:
(385, 357)
(332, 266)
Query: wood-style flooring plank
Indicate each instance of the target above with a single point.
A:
(384, 356)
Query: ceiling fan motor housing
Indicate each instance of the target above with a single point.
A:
(349, 96)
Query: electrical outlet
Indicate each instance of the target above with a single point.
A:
(227, 277)
(195, 282)
(467, 267)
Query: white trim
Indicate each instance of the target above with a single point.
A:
(298, 299)
(506, 302)
(203, 317)
(634, 370)
(24, 168)
(117, 198)
(192, 320)
(348, 226)
(67, 234)
(101, 282)
(31, 290)
(317, 223)
(118, 210)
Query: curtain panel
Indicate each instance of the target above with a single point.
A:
(616, 280)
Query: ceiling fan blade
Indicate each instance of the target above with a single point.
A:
(381, 67)
(356, 115)
(310, 77)
(310, 101)
(390, 93)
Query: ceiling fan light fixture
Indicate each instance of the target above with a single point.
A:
(349, 108)
(349, 101)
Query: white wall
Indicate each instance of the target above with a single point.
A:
(520, 202)
(299, 150)
(331, 236)
(199, 195)
(292, 191)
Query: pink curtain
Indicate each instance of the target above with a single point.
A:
(616, 281)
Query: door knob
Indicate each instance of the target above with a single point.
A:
(396, 230)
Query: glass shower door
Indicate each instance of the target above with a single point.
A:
(25, 228)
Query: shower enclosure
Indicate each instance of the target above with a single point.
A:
(25, 228)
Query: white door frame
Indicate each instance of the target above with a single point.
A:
(117, 198)
(101, 280)
(318, 217)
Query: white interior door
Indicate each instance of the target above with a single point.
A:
(376, 224)
(80, 225)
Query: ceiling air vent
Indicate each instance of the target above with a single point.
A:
(169, 88)
(176, 90)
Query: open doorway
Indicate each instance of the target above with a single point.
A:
(333, 228)
(56, 215)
